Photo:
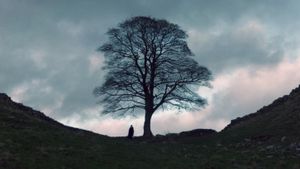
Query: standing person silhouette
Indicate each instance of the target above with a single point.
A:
(130, 132)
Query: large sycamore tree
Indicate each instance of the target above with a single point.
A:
(149, 66)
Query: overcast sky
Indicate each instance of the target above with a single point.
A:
(48, 57)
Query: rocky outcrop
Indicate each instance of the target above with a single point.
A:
(186, 134)
(197, 133)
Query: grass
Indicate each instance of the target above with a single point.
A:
(66, 149)
(31, 141)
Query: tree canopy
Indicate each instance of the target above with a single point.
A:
(149, 66)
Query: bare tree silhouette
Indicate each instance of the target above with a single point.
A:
(149, 66)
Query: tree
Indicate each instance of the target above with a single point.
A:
(149, 66)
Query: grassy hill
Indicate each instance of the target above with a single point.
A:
(281, 119)
(266, 139)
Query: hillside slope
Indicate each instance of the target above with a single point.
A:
(29, 139)
(21, 116)
(279, 119)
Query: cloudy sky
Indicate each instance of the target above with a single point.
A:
(48, 57)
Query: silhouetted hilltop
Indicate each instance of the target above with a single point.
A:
(280, 118)
(20, 113)
(19, 116)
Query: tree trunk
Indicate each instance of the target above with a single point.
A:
(147, 123)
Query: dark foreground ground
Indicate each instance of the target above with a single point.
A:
(40, 147)
(59, 150)
(268, 139)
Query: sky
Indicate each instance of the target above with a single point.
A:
(48, 57)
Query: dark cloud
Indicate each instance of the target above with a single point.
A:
(237, 46)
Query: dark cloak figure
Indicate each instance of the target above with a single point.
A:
(130, 132)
